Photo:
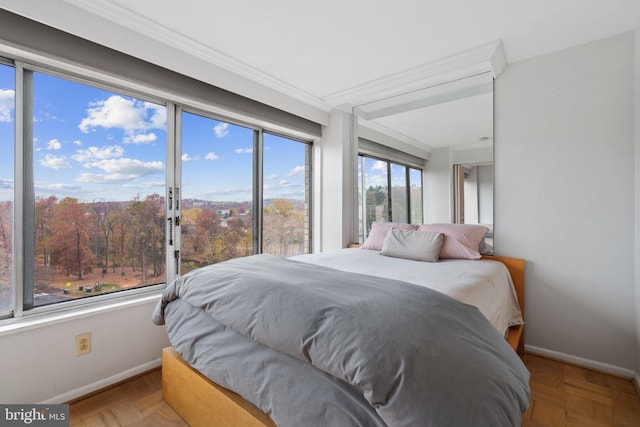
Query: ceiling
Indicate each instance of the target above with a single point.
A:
(302, 55)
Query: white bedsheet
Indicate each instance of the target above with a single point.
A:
(483, 283)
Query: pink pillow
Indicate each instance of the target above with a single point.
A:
(379, 232)
(461, 241)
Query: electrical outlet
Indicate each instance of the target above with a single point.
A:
(83, 344)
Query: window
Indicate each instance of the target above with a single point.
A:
(415, 195)
(285, 196)
(98, 178)
(122, 191)
(7, 107)
(399, 194)
(388, 192)
(223, 214)
(217, 191)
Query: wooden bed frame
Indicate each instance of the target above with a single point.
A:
(201, 402)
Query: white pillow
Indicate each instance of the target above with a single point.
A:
(413, 244)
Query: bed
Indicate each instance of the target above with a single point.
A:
(199, 387)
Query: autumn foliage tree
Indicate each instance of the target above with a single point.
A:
(70, 240)
(147, 235)
(283, 228)
(43, 230)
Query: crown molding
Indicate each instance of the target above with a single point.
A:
(127, 18)
(485, 58)
(379, 133)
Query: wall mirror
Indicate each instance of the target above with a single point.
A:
(449, 127)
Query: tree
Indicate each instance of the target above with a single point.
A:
(376, 200)
(6, 220)
(69, 242)
(283, 226)
(147, 234)
(103, 231)
(120, 221)
(282, 207)
(43, 232)
(207, 227)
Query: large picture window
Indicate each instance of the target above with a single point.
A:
(98, 178)
(217, 191)
(116, 191)
(285, 196)
(224, 213)
(387, 192)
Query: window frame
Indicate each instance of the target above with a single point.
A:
(362, 215)
(25, 64)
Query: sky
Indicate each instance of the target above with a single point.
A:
(97, 145)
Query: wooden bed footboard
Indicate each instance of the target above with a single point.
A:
(201, 402)
(515, 336)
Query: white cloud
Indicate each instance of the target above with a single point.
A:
(77, 143)
(158, 118)
(7, 103)
(145, 185)
(129, 166)
(380, 166)
(98, 153)
(53, 162)
(134, 117)
(120, 170)
(6, 183)
(272, 176)
(57, 188)
(54, 144)
(211, 156)
(376, 180)
(187, 158)
(283, 182)
(296, 171)
(244, 150)
(221, 130)
(141, 138)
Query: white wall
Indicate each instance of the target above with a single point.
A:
(38, 363)
(564, 194)
(438, 182)
(338, 201)
(637, 198)
(437, 187)
(485, 177)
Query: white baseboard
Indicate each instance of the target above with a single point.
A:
(636, 382)
(587, 363)
(106, 382)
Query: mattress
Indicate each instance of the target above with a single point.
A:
(485, 284)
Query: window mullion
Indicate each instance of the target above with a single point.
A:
(258, 163)
(174, 168)
(25, 197)
(389, 201)
(407, 187)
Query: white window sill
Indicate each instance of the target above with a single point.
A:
(53, 316)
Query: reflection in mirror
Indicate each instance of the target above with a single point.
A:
(443, 126)
(473, 194)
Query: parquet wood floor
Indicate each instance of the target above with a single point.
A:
(134, 403)
(562, 395)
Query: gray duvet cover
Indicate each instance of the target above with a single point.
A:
(314, 346)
